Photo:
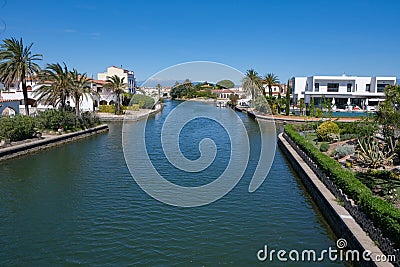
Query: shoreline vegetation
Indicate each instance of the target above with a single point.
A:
(332, 203)
(374, 213)
(52, 121)
(129, 115)
(29, 146)
(22, 132)
(58, 87)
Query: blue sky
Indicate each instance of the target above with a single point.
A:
(288, 38)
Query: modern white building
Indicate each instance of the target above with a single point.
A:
(129, 77)
(341, 90)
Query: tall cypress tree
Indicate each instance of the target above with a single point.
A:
(288, 89)
(313, 106)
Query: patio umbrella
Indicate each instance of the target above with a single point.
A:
(348, 101)
(366, 102)
(333, 101)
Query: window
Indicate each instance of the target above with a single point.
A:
(381, 88)
(349, 86)
(367, 88)
(316, 87)
(333, 87)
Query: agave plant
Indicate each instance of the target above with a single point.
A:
(373, 153)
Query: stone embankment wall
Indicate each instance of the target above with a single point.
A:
(341, 222)
(48, 141)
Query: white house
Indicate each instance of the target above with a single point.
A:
(14, 93)
(129, 77)
(276, 89)
(341, 90)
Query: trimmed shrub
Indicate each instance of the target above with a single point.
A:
(325, 130)
(134, 107)
(324, 147)
(384, 214)
(107, 108)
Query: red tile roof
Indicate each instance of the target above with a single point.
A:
(222, 91)
(100, 81)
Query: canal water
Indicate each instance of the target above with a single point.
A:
(77, 205)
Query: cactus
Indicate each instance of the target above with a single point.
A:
(375, 154)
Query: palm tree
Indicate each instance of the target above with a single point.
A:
(80, 87)
(252, 83)
(56, 85)
(117, 85)
(17, 63)
(270, 79)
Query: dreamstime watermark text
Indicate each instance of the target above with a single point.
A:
(338, 253)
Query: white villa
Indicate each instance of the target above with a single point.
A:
(129, 77)
(276, 89)
(344, 91)
(14, 93)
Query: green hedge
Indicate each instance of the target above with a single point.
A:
(107, 108)
(382, 213)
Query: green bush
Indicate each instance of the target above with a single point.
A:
(343, 151)
(324, 147)
(348, 127)
(318, 113)
(327, 128)
(143, 101)
(107, 108)
(21, 127)
(382, 213)
(347, 136)
(226, 84)
(17, 128)
(134, 107)
(88, 120)
(302, 127)
(53, 119)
